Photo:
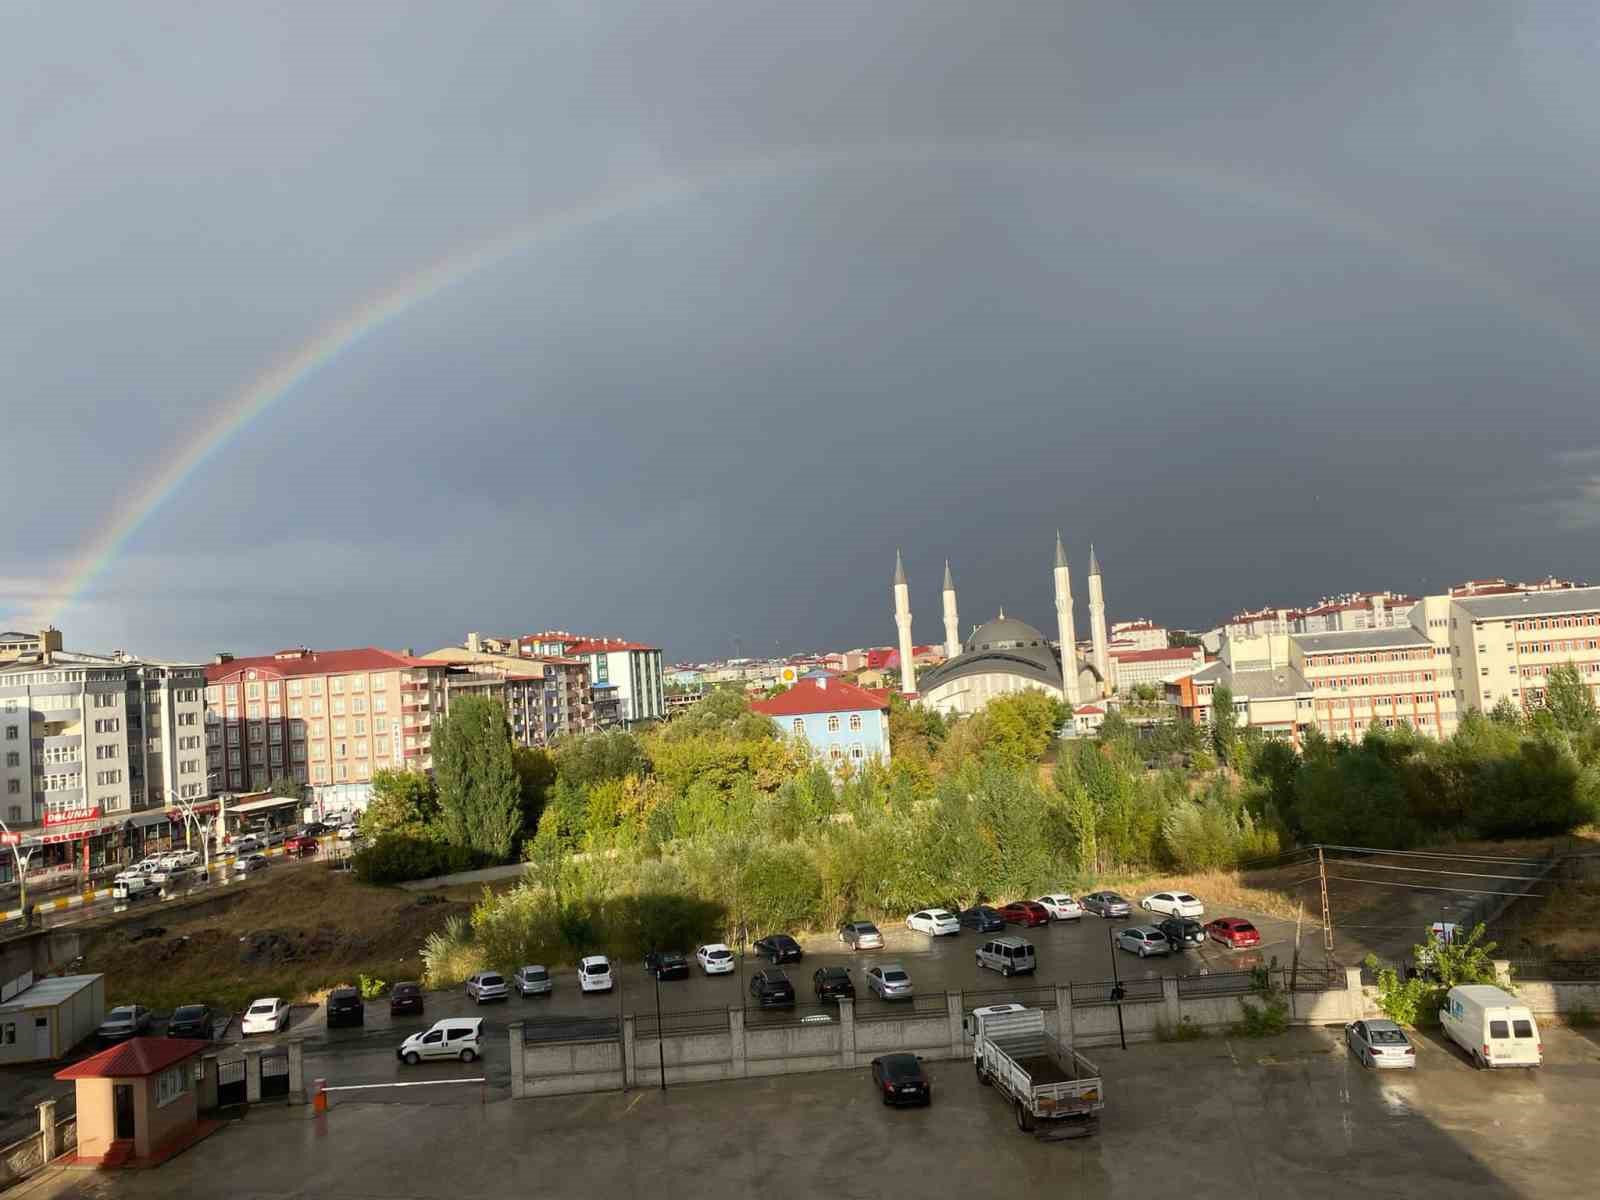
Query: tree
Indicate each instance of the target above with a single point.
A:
(1569, 702)
(404, 803)
(283, 785)
(480, 794)
(1506, 713)
(1022, 725)
(1224, 722)
(536, 774)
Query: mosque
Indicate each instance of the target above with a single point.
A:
(1007, 655)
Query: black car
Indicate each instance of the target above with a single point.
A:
(345, 1007)
(192, 1021)
(405, 998)
(778, 948)
(833, 983)
(770, 988)
(900, 1079)
(314, 829)
(1184, 933)
(982, 918)
(667, 964)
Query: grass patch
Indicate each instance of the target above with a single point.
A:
(305, 932)
(1184, 1031)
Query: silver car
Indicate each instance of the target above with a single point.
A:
(1144, 940)
(1380, 1044)
(532, 980)
(889, 982)
(1105, 904)
(124, 1021)
(861, 935)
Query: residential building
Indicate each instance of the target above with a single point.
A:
(328, 718)
(1137, 635)
(1130, 668)
(1503, 647)
(846, 725)
(565, 701)
(1499, 587)
(1359, 610)
(633, 668)
(14, 645)
(94, 747)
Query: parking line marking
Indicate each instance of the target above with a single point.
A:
(631, 1103)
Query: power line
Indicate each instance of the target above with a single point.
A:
(1540, 862)
(1438, 871)
(1423, 887)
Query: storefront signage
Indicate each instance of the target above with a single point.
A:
(71, 816)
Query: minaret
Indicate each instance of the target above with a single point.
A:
(1069, 638)
(902, 618)
(952, 626)
(1097, 624)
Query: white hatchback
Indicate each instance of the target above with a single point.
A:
(270, 1015)
(1061, 906)
(715, 959)
(936, 922)
(594, 973)
(453, 1037)
(1174, 904)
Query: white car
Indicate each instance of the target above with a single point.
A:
(453, 1037)
(270, 1015)
(715, 959)
(936, 922)
(349, 833)
(594, 973)
(1174, 904)
(1062, 906)
(186, 858)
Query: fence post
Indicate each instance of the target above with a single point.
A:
(1355, 999)
(47, 1129)
(952, 1008)
(1502, 972)
(297, 1072)
(630, 1069)
(1064, 1029)
(206, 1093)
(736, 1050)
(1171, 1006)
(847, 1032)
(252, 1075)
(519, 1061)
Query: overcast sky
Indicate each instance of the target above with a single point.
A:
(1265, 300)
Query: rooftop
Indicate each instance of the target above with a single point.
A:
(290, 663)
(1166, 654)
(820, 696)
(1531, 604)
(135, 1058)
(1394, 638)
(46, 992)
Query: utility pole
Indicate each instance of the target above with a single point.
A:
(1327, 915)
(1116, 988)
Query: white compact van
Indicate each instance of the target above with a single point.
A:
(1489, 1024)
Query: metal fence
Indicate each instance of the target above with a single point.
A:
(695, 1020)
(1133, 990)
(1556, 970)
(575, 1029)
(1309, 979)
(1223, 983)
(1032, 995)
(800, 1014)
(921, 1004)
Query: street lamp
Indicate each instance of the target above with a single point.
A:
(203, 828)
(14, 840)
(1117, 990)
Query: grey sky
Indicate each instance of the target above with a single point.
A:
(1266, 300)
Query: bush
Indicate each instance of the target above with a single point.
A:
(372, 987)
(398, 857)
(1268, 1018)
(449, 955)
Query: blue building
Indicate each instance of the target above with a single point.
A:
(846, 724)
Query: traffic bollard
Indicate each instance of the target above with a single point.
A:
(319, 1095)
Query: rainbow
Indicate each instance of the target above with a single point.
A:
(279, 380)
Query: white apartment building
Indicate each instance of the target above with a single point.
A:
(1137, 635)
(632, 668)
(1504, 647)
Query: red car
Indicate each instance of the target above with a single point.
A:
(299, 845)
(1233, 932)
(1026, 912)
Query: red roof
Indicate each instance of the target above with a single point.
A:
(134, 1058)
(1089, 710)
(1169, 654)
(291, 663)
(807, 697)
(602, 645)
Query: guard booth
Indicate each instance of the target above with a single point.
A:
(136, 1101)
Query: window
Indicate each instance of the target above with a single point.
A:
(856, 752)
(233, 693)
(316, 688)
(338, 729)
(836, 753)
(336, 685)
(799, 725)
(13, 786)
(13, 759)
(15, 811)
(359, 726)
(380, 724)
(294, 708)
(833, 724)
(358, 683)
(316, 708)
(252, 691)
(275, 711)
(359, 704)
(338, 707)
(11, 733)
(380, 703)
(295, 687)
(855, 722)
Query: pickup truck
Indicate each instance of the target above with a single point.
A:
(1055, 1092)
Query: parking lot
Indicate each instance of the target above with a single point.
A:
(1294, 1116)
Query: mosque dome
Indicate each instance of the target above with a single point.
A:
(1004, 633)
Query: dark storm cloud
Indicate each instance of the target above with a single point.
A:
(1265, 300)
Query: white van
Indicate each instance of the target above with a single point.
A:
(453, 1037)
(130, 886)
(1490, 1025)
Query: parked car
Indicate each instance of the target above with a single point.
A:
(487, 985)
(404, 999)
(300, 844)
(1061, 906)
(345, 1007)
(188, 859)
(349, 833)
(1234, 932)
(1106, 904)
(1174, 904)
(900, 1079)
(453, 1037)
(1008, 954)
(1144, 940)
(982, 918)
(132, 885)
(314, 829)
(145, 865)
(667, 964)
(250, 863)
(936, 922)
(532, 980)
(779, 948)
(715, 959)
(124, 1021)
(168, 874)
(275, 837)
(1027, 913)
(889, 981)
(192, 1021)
(833, 983)
(1183, 933)
(248, 844)
(1380, 1044)
(770, 988)
(594, 974)
(270, 1015)
(861, 935)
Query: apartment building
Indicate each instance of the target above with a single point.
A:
(546, 696)
(1503, 647)
(94, 746)
(328, 718)
(1132, 667)
(1137, 635)
(632, 668)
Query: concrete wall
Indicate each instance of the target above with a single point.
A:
(559, 1068)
